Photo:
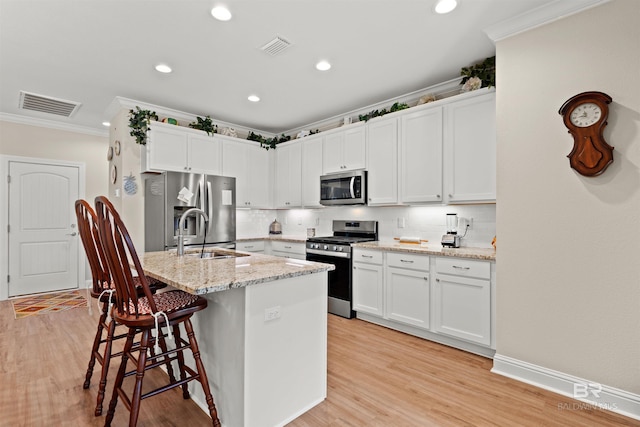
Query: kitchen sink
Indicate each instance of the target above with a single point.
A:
(215, 255)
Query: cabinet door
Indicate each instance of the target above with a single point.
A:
(407, 294)
(258, 183)
(288, 186)
(470, 149)
(311, 171)
(367, 288)
(463, 308)
(354, 150)
(332, 147)
(421, 156)
(167, 149)
(382, 162)
(235, 164)
(204, 155)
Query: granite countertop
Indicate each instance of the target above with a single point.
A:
(276, 237)
(430, 249)
(201, 276)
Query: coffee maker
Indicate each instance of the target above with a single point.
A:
(451, 239)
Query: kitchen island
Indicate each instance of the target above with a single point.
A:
(263, 337)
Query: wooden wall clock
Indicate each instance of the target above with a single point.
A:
(585, 115)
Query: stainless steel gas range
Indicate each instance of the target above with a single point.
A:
(336, 250)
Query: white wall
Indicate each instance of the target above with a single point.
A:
(568, 283)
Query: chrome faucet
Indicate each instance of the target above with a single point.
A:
(181, 226)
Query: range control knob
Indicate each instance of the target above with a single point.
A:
(325, 247)
(340, 248)
(335, 248)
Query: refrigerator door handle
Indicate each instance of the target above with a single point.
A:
(209, 209)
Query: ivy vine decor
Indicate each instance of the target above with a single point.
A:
(267, 143)
(484, 71)
(204, 124)
(139, 124)
(378, 113)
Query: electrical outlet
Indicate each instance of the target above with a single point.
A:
(272, 313)
(317, 221)
(401, 223)
(470, 223)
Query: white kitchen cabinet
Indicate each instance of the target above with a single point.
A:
(311, 170)
(368, 282)
(470, 149)
(249, 164)
(407, 285)
(288, 189)
(462, 301)
(179, 149)
(344, 150)
(421, 156)
(382, 162)
(256, 246)
(288, 249)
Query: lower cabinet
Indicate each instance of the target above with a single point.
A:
(368, 282)
(288, 249)
(445, 299)
(256, 246)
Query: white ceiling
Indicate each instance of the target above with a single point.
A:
(91, 51)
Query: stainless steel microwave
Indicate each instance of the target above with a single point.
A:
(347, 188)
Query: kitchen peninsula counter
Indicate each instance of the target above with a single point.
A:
(204, 275)
(263, 335)
(487, 254)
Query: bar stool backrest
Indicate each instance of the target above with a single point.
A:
(120, 254)
(88, 229)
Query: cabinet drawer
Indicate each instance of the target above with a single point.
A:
(293, 248)
(463, 267)
(252, 246)
(370, 257)
(403, 260)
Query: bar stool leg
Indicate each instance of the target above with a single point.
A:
(94, 349)
(202, 375)
(137, 388)
(120, 377)
(106, 360)
(183, 374)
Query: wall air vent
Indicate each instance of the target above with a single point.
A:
(47, 104)
(275, 46)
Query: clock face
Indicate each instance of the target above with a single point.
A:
(585, 115)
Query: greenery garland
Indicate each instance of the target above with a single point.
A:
(485, 71)
(139, 124)
(204, 124)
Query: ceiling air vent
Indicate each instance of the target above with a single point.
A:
(47, 104)
(275, 46)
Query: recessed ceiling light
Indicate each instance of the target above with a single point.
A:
(221, 13)
(106, 124)
(323, 65)
(163, 68)
(445, 6)
(253, 98)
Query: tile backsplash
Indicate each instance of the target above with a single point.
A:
(425, 222)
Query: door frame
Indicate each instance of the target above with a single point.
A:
(4, 214)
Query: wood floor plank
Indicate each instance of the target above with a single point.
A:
(376, 377)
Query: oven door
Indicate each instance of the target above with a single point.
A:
(339, 284)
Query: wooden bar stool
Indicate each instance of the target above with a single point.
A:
(144, 314)
(103, 290)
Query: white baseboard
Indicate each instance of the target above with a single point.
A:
(588, 394)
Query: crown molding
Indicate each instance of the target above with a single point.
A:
(539, 16)
(31, 121)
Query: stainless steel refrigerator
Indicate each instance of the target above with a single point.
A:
(170, 194)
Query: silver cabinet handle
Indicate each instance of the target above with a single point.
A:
(249, 247)
(72, 234)
(437, 280)
(426, 278)
(287, 247)
(366, 256)
(461, 268)
(438, 196)
(407, 260)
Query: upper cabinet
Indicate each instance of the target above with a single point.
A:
(382, 162)
(470, 149)
(179, 149)
(311, 170)
(344, 150)
(249, 164)
(288, 189)
(421, 156)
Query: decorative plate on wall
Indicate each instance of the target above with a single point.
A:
(110, 153)
(114, 174)
(117, 148)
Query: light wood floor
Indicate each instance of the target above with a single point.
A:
(377, 377)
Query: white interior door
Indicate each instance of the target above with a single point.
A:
(43, 240)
